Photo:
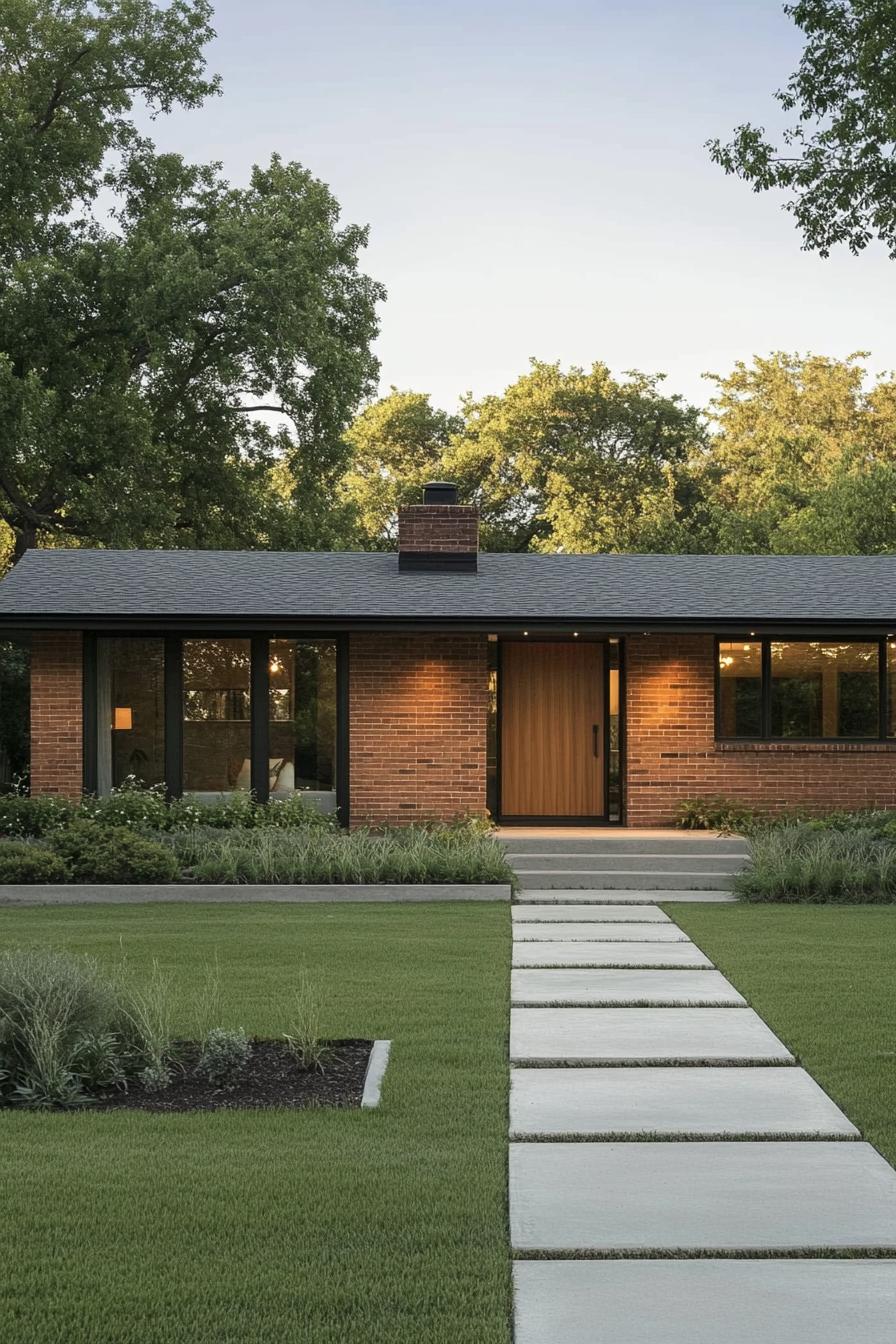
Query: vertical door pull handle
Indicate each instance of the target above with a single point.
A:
(595, 738)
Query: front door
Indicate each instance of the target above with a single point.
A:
(552, 730)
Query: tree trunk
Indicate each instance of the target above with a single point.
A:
(25, 539)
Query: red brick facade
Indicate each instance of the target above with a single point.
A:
(56, 714)
(418, 708)
(672, 753)
(438, 528)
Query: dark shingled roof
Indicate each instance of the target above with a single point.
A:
(358, 586)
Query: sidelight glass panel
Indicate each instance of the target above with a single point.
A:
(302, 719)
(614, 771)
(130, 712)
(216, 715)
(740, 688)
(824, 689)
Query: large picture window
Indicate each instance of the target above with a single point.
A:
(214, 715)
(130, 712)
(822, 690)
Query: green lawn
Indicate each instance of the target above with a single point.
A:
(323, 1227)
(824, 979)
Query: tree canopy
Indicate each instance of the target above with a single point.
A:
(138, 343)
(794, 454)
(836, 157)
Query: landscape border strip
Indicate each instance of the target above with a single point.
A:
(88, 893)
(376, 1071)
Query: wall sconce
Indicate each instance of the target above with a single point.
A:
(123, 718)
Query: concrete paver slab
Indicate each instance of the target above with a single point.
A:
(611, 911)
(673, 1101)
(693, 1197)
(549, 930)
(608, 954)
(622, 986)
(705, 1301)
(642, 1035)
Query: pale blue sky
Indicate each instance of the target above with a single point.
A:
(535, 182)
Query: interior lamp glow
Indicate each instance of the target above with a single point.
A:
(123, 717)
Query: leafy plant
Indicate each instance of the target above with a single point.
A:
(224, 1055)
(29, 863)
(130, 804)
(25, 816)
(716, 814)
(97, 853)
(303, 1037)
(155, 1077)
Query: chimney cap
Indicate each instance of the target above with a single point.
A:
(440, 492)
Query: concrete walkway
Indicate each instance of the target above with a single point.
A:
(675, 1177)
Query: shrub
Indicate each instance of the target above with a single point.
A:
(97, 853)
(716, 814)
(224, 1055)
(21, 815)
(21, 862)
(412, 854)
(132, 803)
(51, 1005)
(813, 863)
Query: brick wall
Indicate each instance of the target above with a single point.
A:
(56, 714)
(672, 753)
(417, 710)
(438, 528)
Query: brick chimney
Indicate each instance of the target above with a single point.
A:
(438, 534)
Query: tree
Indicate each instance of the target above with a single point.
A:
(837, 161)
(397, 444)
(576, 460)
(139, 347)
(802, 458)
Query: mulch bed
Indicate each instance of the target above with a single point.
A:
(270, 1078)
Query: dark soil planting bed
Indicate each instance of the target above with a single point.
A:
(271, 1077)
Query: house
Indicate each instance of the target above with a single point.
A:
(567, 689)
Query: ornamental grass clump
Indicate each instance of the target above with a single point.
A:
(408, 855)
(811, 863)
(60, 1028)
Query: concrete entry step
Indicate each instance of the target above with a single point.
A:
(615, 1036)
(694, 1198)
(705, 1301)
(555, 930)
(736, 1102)
(672, 863)
(635, 879)
(679, 955)
(574, 986)
(600, 896)
(623, 841)
(604, 911)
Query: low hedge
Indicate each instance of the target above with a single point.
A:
(95, 853)
(22, 862)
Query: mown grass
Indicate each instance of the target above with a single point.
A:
(824, 979)
(321, 1227)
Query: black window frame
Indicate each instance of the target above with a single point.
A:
(259, 726)
(765, 642)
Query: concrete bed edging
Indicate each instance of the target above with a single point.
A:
(376, 1071)
(89, 893)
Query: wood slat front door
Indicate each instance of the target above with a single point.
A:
(552, 701)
